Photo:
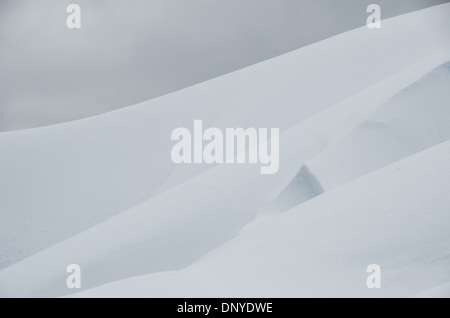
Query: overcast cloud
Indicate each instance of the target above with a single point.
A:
(130, 51)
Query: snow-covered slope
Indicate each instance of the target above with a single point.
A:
(58, 181)
(169, 234)
(441, 291)
(415, 119)
(323, 247)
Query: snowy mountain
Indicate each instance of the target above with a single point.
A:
(103, 192)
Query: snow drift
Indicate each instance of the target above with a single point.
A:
(415, 119)
(104, 194)
(323, 247)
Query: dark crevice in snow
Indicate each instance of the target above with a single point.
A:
(302, 188)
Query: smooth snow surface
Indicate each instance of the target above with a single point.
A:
(103, 192)
(415, 119)
(323, 247)
(441, 291)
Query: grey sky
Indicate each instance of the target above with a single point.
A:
(130, 51)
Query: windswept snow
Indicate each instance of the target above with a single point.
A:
(323, 247)
(104, 194)
(441, 291)
(302, 188)
(415, 119)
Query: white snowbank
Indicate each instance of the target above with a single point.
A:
(441, 291)
(60, 180)
(397, 218)
(415, 119)
(79, 174)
